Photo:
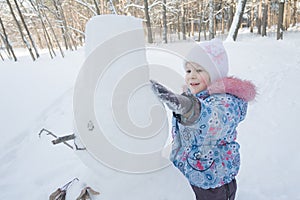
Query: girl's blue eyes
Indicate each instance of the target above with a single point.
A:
(198, 70)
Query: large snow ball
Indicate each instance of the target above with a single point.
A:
(118, 119)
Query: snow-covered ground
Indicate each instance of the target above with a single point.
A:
(36, 95)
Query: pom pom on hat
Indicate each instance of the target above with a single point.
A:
(211, 55)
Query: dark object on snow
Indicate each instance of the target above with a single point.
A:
(63, 139)
(60, 193)
(52, 134)
(86, 192)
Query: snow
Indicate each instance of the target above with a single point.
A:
(36, 95)
(269, 137)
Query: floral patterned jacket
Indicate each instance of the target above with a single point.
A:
(206, 152)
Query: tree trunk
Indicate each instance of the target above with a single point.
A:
(252, 19)
(183, 28)
(269, 14)
(233, 32)
(178, 26)
(287, 15)
(165, 29)
(204, 31)
(34, 26)
(211, 20)
(8, 47)
(102, 6)
(187, 21)
(183, 11)
(46, 34)
(280, 20)
(192, 27)
(148, 22)
(112, 8)
(20, 31)
(97, 7)
(294, 15)
(231, 14)
(59, 18)
(53, 32)
(1, 57)
(66, 28)
(201, 19)
(258, 21)
(27, 30)
(265, 19)
(223, 18)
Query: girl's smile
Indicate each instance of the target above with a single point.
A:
(196, 78)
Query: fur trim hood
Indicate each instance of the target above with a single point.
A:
(241, 88)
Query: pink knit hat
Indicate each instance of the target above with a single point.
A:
(211, 55)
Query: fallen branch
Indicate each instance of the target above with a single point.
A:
(52, 134)
(63, 139)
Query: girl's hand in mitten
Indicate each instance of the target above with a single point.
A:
(178, 103)
(185, 105)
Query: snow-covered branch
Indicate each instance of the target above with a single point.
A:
(90, 7)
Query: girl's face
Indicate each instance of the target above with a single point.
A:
(196, 78)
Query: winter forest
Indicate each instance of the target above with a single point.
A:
(52, 50)
(59, 25)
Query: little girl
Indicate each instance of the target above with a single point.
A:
(205, 119)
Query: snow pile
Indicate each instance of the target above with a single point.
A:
(269, 136)
(39, 95)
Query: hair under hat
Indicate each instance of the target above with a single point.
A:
(211, 55)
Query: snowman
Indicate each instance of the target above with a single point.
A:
(122, 126)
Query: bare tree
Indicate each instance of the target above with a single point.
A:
(230, 15)
(287, 15)
(97, 7)
(165, 27)
(112, 7)
(1, 57)
(233, 32)
(201, 18)
(280, 20)
(265, 19)
(53, 32)
(148, 22)
(178, 22)
(258, 20)
(211, 19)
(20, 31)
(252, 18)
(27, 30)
(7, 44)
(52, 23)
(223, 18)
(45, 32)
(294, 14)
(64, 27)
(183, 20)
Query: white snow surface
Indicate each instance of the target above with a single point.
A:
(36, 95)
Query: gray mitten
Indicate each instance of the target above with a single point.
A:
(185, 105)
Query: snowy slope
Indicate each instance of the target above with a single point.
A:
(39, 95)
(269, 136)
(33, 96)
